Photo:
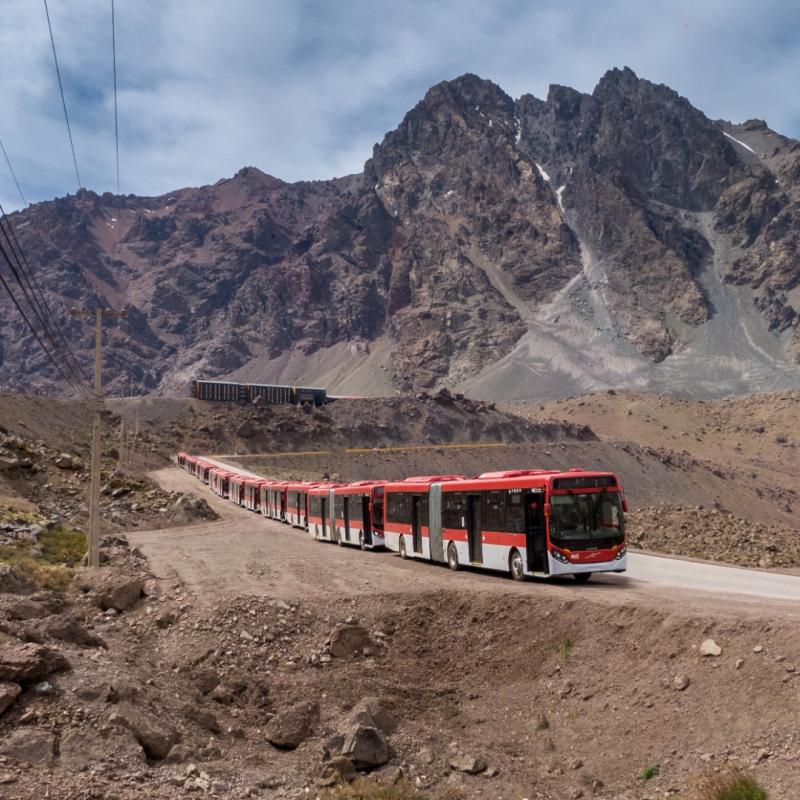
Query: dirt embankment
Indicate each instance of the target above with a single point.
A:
(540, 692)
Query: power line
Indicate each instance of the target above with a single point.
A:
(33, 330)
(13, 174)
(36, 298)
(116, 118)
(61, 89)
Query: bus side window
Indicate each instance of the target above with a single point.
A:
(423, 511)
(493, 511)
(515, 513)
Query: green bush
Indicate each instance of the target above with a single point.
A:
(63, 546)
(650, 772)
(565, 647)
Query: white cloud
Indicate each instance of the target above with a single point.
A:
(303, 89)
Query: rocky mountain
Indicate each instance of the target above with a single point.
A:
(507, 248)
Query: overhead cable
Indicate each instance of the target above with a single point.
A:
(61, 89)
(13, 174)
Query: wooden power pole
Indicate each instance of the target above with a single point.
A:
(94, 492)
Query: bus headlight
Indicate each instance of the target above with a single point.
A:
(559, 557)
(620, 553)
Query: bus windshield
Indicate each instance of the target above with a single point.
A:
(590, 520)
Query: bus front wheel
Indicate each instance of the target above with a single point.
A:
(402, 547)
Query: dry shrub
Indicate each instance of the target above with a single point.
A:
(732, 783)
(51, 577)
(368, 789)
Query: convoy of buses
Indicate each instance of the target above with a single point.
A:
(524, 522)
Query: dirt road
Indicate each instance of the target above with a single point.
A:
(245, 554)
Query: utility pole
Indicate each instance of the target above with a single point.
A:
(94, 492)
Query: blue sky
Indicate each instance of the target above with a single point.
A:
(303, 89)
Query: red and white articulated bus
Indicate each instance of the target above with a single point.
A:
(321, 520)
(219, 480)
(252, 493)
(358, 514)
(297, 504)
(273, 500)
(525, 522)
(236, 484)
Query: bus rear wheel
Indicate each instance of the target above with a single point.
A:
(401, 547)
(516, 566)
(452, 557)
(582, 577)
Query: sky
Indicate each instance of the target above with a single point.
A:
(303, 90)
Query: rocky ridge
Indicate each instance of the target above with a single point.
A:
(508, 247)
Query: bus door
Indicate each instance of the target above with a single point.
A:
(416, 529)
(297, 506)
(323, 505)
(347, 519)
(474, 529)
(534, 531)
(366, 516)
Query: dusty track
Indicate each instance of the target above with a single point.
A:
(245, 554)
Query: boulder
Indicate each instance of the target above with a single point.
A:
(69, 628)
(27, 663)
(155, 736)
(349, 639)
(38, 606)
(339, 769)
(372, 712)
(118, 592)
(462, 762)
(29, 745)
(9, 692)
(12, 581)
(366, 747)
(291, 727)
(81, 748)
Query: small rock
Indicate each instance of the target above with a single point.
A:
(542, 723)
(758, 649)
(467, 763)
(339, 769)
(710, 648)
(680, 682)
